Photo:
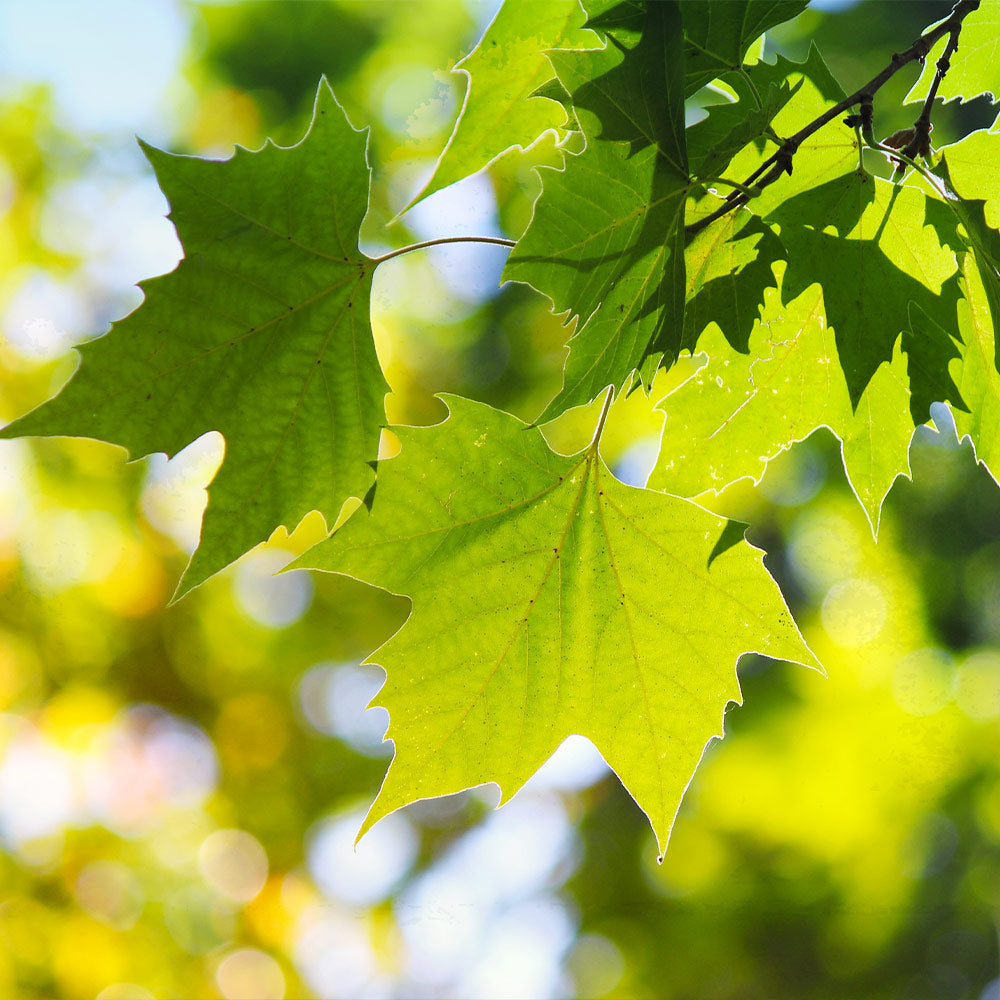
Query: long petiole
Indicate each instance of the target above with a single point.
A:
(441, 241)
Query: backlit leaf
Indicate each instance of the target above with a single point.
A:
(866, 242)
(505, 71)
(741, 410)
(977, 376)
(261, 333)
(606, 240)
(975, 68)
(550, 599)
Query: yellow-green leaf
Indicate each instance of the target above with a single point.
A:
(550, 599)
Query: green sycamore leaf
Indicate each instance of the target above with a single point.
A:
(631, 87)
(606, 239)
(717, 34)
(505, 103)
(616, 15)
(964, 225)
(866, 241)
(930, 349)
(729, 264)
(741, 410)
(975, 68)
(728, 127)
(827, 153)
(982, 239)
(729, 267)
(550, 599)
(261, 333)
(965, 165)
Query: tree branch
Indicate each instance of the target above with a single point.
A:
(780, 162)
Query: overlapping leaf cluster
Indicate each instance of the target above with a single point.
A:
(828, 296)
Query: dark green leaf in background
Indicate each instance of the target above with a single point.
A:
(606, 240)
(866, 243)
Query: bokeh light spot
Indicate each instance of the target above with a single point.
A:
(367, 873)
(234, 864)
(266, 599)
(111, 892)
(853, 612)
(977, 686)
(250, 974)
(596, 965)
(521, 957)
(823, 549)
(334, 699)
(152, 761)
(125, 991)
(922, 681)
(334, 954)
(174, 495)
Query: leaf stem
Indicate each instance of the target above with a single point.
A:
(781, 161)
(600, 423)
(750, 192)
(861, 149)
(494, 240)
(755, 93)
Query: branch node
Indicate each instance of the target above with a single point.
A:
(916, 140)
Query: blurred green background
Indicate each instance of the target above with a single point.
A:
(180, 787)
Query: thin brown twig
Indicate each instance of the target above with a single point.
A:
(780, 162)
(920, 143)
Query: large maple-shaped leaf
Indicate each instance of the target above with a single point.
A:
(975, 68)
(606, 239)
(261, 333)
(505, 71)
(550, 599)
(717, 34)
